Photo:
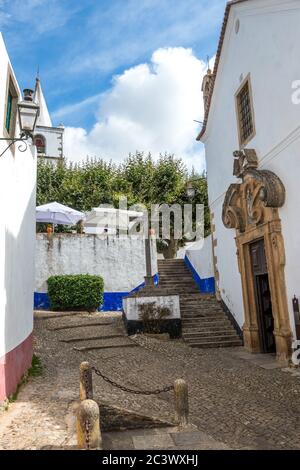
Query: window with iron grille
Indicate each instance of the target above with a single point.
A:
(10, 115)
(245, 114)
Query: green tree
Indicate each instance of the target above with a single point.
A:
(140, 178)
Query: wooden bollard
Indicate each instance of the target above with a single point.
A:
(88, 425)
(86, 382)
(181, 402)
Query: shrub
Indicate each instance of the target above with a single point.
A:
(75, 292)
(151, 315)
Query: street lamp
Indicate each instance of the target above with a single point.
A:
(190, 190)
(28, 112)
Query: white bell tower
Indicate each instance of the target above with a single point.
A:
(47, 138)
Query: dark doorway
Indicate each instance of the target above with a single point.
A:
(263, 297)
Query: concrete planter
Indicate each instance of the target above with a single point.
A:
(131, 313)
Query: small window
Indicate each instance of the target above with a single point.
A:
(10, 108)
(40, 143)
(245, 113)
(8, 111)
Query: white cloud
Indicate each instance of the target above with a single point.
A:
(150, 107)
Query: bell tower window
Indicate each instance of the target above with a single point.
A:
(40, 143)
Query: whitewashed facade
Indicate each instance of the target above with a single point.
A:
(48, 138)
(119, 260)
(260, 43)
(17, 238)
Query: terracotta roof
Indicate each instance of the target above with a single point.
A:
(217, 60)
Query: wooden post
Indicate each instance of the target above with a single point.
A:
(88, 425)
(86, 382)
(181, 402)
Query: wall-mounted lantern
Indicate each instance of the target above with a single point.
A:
(28, 112)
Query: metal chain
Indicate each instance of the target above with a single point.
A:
(87, 434)
(129, 390)
(87, 384)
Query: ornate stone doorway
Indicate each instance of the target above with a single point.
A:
(251, 207)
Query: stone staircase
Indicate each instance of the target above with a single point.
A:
(204, 322)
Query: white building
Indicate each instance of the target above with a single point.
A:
(17, 237)
(48, 139)
(112, 221)
(252, 110)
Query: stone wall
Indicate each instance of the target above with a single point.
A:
(199, 260)
(120, 261)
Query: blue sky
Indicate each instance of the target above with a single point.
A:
(80, 46)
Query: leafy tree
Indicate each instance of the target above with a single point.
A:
(140, 178)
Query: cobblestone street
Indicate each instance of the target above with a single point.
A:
(237, 401)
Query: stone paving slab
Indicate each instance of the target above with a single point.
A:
(266, 361)
(161, 439)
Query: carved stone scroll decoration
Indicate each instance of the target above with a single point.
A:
(232, 214)
(245, 203)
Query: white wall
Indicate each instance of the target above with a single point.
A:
(54, 140)
(200, 256)
(131, 305)
(267, 47)
(17, 232)
(120, 261)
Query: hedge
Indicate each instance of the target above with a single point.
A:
(75, 292)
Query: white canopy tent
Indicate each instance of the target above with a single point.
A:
(56, 213)
(110, 220)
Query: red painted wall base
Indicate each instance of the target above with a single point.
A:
(13, 365)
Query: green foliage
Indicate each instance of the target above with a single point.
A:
(140, 178)
(35, 370)
(75, 292)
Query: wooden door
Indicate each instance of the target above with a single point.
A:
(262, 297)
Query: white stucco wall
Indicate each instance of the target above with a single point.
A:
(267, 47)
(120, 261)
(200, 256)
(131, 305)
(17, 232)
(54, 140)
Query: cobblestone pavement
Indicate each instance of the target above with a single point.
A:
(234, 402)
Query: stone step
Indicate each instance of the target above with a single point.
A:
(106, 346)
(200, 315)
(216, 344)
(90, 338)
(179, 283)
(188, 289)
(177, 279)
(224, 334)
(207, 328)
(194, 302)
(169, 260)
(190, 308)
(174, 272)
(205, 322)
(198, 302)
(201, 296)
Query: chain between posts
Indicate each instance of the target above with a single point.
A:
(129, 390)
(87, 434)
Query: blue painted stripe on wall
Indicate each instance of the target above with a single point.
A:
(41, 301)
(207, 285)
(112, 301)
